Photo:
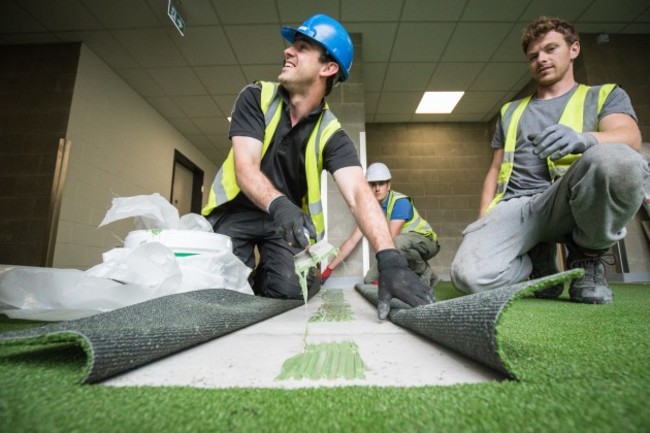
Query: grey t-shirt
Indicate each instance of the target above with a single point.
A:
(530, 173)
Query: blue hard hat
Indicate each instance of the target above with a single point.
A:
(331, 35)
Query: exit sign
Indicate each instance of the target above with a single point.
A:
(176, 17)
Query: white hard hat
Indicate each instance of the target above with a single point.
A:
(377, 172)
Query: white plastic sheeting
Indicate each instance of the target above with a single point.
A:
(128, 275)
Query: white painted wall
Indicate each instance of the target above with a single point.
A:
(121, 146)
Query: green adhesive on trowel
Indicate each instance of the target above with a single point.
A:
(333, 308)
(309, 258)
(337, 360)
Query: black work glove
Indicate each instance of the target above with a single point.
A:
(396, 280)
(558, 140)
(291, 222)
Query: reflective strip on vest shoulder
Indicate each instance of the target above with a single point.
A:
(510, 115)
(603, 94)
(511, 122)
(590, 115)
(326, 122)
(220, 193)
(327, 126)
(269, 101)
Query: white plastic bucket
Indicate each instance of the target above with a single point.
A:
(182, 242)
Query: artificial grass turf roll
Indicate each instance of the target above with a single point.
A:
(468, 324)
(129, 337)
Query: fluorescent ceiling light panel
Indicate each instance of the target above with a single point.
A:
(438, 102)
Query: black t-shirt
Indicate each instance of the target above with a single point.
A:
(284, 161)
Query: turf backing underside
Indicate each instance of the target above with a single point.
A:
(580, 367)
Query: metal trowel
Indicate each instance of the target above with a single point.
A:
(313, 255)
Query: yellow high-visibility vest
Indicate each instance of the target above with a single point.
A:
(416, 223)
(580, 113)
(224, 187)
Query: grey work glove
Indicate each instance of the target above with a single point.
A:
(291, 222)
(558, 140)
(396, 280)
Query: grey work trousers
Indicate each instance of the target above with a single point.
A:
(275, 275)
(591, 205)
(418, 249)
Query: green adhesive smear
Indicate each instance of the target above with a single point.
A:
(306, 260)
(336, 360)
(334, 308)
(302, 278)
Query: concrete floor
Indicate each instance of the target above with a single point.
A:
(253, 357)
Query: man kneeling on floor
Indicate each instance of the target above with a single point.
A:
(267, 193)
(412, 234)
(577, 180)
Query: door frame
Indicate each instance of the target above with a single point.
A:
(197, 181)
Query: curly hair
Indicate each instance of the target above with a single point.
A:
(542, 25)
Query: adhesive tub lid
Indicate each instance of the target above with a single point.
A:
(182, 242)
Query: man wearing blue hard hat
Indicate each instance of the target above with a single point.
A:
(267, 192)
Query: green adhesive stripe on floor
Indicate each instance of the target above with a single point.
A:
(334, 308)
(336, 360)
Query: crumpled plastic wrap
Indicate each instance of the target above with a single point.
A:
(127, 275)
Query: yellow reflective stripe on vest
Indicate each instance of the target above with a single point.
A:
(580, 113)
(327, 125)
(510, 115)
(416, 223)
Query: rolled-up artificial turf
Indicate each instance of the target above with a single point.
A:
(120, 340)
(467, 325)
(129, 337)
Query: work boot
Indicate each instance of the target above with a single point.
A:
(592, 288)
(543, 258)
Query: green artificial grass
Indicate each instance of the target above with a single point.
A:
(581, 368)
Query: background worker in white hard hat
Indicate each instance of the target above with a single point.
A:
(267, 192)
(413, 236)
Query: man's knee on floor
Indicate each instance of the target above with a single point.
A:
(619, 163)
(620, 174)
(466, 279)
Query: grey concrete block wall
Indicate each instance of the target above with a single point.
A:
(442, 167)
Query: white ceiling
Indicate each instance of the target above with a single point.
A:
(409, 46)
